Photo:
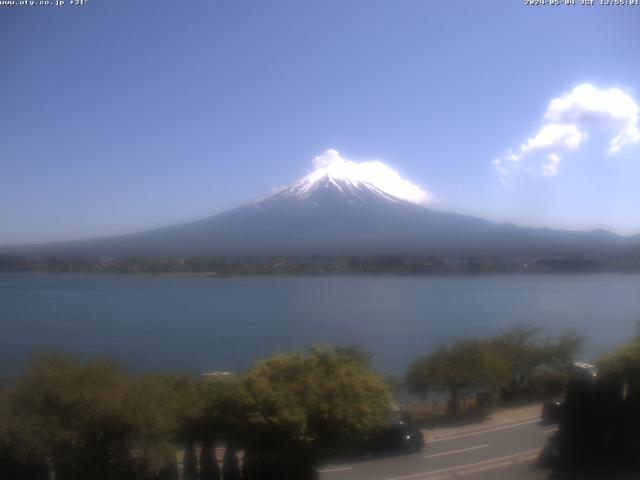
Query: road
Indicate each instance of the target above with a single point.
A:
(506, 451)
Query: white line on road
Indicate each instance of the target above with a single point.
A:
(329, 470)
(461, 467)
(485, 468)
(455, 451)
(529, 457)
(420, 475)
(550, 430)
(462, 435)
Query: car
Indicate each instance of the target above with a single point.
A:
(397, 438)
(551, 412)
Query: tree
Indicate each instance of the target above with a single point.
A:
(303, 408)
(224, 418)
(560, 352)
(465, 364)
(72, 416)
(524, 352)
(419, 378)
(17, 461)
(189, 412)
(230, 467)
(209, 469)
(521, 352)
(190, 462)
(92, 420)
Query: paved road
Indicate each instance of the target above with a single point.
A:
(499, 452)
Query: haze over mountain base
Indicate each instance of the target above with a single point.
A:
(339, 210)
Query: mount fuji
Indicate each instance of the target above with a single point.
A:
(338, 210)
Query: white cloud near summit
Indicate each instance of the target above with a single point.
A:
(568, 123)
(380, 175)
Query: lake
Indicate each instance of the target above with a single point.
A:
(191, 324)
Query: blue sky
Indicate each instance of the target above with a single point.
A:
(120, 116)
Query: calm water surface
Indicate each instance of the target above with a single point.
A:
(203, 324)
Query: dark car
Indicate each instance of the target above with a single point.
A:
(397, 438)
(551, 412)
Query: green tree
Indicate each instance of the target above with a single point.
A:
(225, 419)
(521, 351)
(17, 460)
(524, 352)
(92, 420)
(465, 364)
(561, 351)
(188, 407)
(303, 408)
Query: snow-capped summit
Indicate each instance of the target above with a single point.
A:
(313, 187)
(357, 182)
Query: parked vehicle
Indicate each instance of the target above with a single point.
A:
(397, 438)
(551, 412)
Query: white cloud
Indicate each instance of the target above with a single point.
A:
(568, 121)
(554, 137)
(550, 167)
(332, 163)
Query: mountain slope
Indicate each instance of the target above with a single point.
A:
(327, 214)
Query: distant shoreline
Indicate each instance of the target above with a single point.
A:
(322, 275)
(327, 265)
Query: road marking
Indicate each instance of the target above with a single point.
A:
(421, 475)
(550, 430)
(462, 435)
(530, 457)
(485, 468)
(455, 451)
(339, 469)
(462, 467)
